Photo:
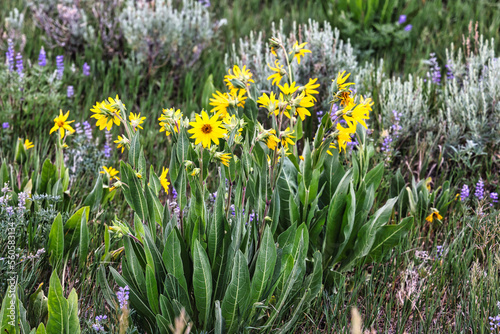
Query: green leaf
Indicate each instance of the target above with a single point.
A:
(74, 322)
(388, 237)
(135, 194)
(287, 185)
(219, 320)
(152, 289)
(58, 308)
(208, 90)
(264, 267)
(56, 242)
(202, 283)
(236, 297)
(84, 240)
(173, 260)
(216, 228)
(94, 198)
(7, 324)
(135, 151)
(182, 146)
(48, 172)
(37, 310)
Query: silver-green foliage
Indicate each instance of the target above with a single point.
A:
(160, 32)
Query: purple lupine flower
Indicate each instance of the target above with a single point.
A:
(449, 70)
(19, 64)
(42, 58)
(494, 323)
(320, 115)
(10, 55)
(10, 210)
(122, 296)
(70, 92)
(60, 66)
(434, 70)
(439, 252)
(464, 193)
(86, 69)
(494, 198)
(22, 197)
(386, 144)
(408, 27)
(402, 19)
(78, 128)
(97, 326)
(204, 3)
(5, 125)
(88, 130)
(107, 145)
(479, 193)
(174, 193)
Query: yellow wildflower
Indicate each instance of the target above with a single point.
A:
(343, 136)
(269, 102)
(238, 79)
(62, 124)
(122, 142)
(223, 157)
(280, 72)
(207, 130)
(301, 103)
(310, 88)
(272, 141)
(288, 90)
(299, 51)
(163, 179)
(110, 172)
(170, 119)
(286, 138)
(28, 144)
(341, 81)
(136, 120)
(434, 215)
(222, 101)
(106, 113)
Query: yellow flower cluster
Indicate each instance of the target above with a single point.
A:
(353, 113)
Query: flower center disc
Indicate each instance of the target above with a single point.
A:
(206, 128)
(60, 123)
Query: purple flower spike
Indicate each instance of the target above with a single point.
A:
(86, 69)
(5, 125)
(42, 58)
(402, 19)
(70, 91)
(60, 66)
(479, 193)
(408, 27)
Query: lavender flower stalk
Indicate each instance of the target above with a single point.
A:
(123, 295)
(42, 58)
(402, 19)
(479, 193)
(464, 193)
(19, 65)
(60, 66)
(86, 69)
(10, 55)
(70, 91)
(5, 125)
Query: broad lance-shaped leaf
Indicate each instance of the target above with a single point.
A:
(135, 150)
(216, 228)
(173, 260)
(366, 235)
(56, 241)
(94, 198)
(202, 283)
(388, 237)
(264, 267)
(346, 230)
(218, 319)
(58, 308)
(84, 241)
(48, 171)
(134, 194)
(7, 324)
(287, 186)
(74, 322)
(152, 289)
(236, 297)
